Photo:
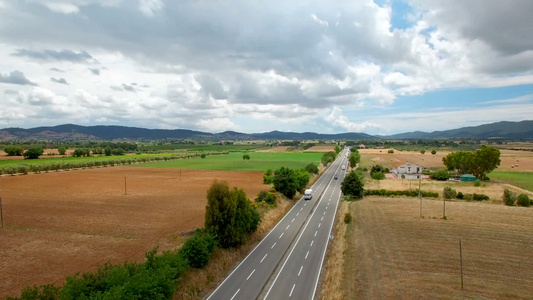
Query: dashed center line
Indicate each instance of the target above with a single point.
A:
(293, 220)
(273, 246)
(322, 218)
(306, 254)
(235, 294)
(312, 243)
(319, 225)
(316, 232)
(263, 258)
(324, 213)
(288, 226)
(300, 270)
(281, 234)
(250, 275)
(292, 290)
(297, 214)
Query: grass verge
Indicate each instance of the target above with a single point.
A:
(520, 179)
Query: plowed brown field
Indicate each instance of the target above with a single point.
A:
(392, 253)
(61, 223)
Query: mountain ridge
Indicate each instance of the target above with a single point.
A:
(498, 130)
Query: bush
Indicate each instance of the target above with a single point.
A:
(23, 169)
(460, 195)
(33, 153)
(267, 197)
(422, 151)
(442, 175)
(477, 183)
(62, 150)
(117, 151)
(433, 152)
(523, 200)
(202, 156)
(198, 248)
(347, 218)
(480, 197)
(246, 157)
(509, 197)
(378, 176)
(268, 177)
(390, 151)
(408, 193)
(449, 193)
(13, 150)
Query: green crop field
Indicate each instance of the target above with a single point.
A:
(201, 147)
(259, 161)
(70, 159)
(520, 179)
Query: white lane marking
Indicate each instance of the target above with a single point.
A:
(300, 270)
(235, 294)
(319, 225)
(263, 258)
(305, 204)
(316, 232)
(281, 234)
(306, 254)
(293, 220)
(321, 219)
(326, 207)
(301, 209)
(297, 214)
(292, 290)
(250, 275)
(288, 226)
(273, 246)
(312, 243)
(324, 213)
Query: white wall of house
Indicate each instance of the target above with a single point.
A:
(408, 171)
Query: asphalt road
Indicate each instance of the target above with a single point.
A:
(286, 264)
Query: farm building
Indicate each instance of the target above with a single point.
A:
(468, 177)
(408, 171)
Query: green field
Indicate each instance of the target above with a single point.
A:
(201, 147)
(70, 159)
(259, 161)
(520, 179)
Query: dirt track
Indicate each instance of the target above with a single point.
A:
(61, 223)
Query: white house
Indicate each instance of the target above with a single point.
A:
(408, 171)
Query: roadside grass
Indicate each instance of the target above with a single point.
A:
(520, 179)
(259, 161)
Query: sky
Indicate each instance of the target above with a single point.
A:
(378, 67)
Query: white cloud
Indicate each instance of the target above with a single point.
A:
(150, 7)
(338, 119)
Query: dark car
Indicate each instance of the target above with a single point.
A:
(336, 177)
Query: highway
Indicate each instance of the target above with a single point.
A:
(286, 264)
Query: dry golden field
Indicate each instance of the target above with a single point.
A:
(511, 160)
(389, 252)
(61, 223)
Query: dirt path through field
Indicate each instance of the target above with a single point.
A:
(61, 223)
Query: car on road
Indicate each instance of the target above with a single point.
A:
(336, 177)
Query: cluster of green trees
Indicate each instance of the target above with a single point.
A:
(354, 157)
(229, 215)
(288, 181)
(31, 153)
(408, 193)
(478, 163)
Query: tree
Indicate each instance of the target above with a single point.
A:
(328, 157)
(433, 151)
(267, 197)
(33, 153)
(311, 168)
(302, 178)
(203, 156)
(108, 151)
(229, 215)
(422, 151)
(285, 182)
(353, 185)
(198, 248)
(441, 175)
(523, 200)
(13, 150)
(78, 152)
(337, 149)
(485, 160)
(118, 151)
(509, 197)
(354, 158)
(62, 150)
(376, 169)
(246, 157)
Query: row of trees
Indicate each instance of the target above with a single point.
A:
(478, 163)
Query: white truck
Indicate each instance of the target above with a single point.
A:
(343, 167)
(308, 194)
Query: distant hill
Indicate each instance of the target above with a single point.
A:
(499, 130)
(502, 130)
